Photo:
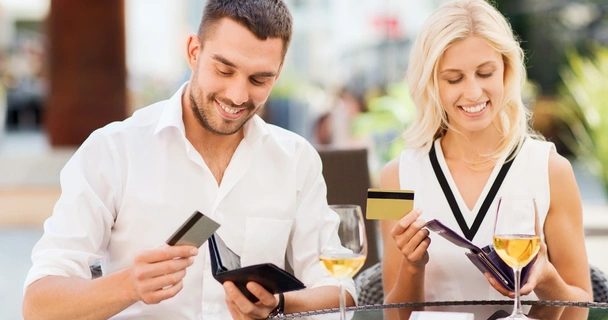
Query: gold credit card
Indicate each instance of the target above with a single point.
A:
(388, 204)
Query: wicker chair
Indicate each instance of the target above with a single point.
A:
(371, 291)
(369, 286)
(600, 285)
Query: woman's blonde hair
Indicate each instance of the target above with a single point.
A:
(449, 24)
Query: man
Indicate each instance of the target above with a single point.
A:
(133, 183)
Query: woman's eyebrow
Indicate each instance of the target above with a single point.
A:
(489, 62)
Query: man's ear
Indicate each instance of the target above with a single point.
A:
(193, 48)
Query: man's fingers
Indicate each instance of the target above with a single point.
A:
(233, 308)
(163, 281)
(245, 306)
(266, 298)
(162, 294)
(146, 271)
(166, 253)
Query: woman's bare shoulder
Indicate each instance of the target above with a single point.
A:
(389, 177)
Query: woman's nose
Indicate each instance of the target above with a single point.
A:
(472, 90)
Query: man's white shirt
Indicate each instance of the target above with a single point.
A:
(133, 183)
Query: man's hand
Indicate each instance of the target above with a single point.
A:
(156, 275)
(242, 309)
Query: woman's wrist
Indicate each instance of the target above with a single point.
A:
(547, 286)
(410, 268)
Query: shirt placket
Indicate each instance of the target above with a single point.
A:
(213, 292)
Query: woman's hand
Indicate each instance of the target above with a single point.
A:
(412, 239)
(540, 271)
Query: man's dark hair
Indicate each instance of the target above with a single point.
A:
(264, 18)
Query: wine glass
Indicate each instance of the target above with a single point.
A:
(345, 253)
(517, 239)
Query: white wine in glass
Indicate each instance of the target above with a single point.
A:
(344, 256)
(517, 239)
(344, 265)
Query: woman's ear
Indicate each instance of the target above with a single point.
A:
(193, 48)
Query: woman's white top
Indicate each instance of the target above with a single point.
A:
(449, 274)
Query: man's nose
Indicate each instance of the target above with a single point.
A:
(237, 92)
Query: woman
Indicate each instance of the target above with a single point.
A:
(465, 76)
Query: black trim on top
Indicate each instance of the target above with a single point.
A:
(185, 228)
(449, 195)
(390, 195)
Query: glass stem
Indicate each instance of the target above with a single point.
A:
(517, 311)
(342, 301)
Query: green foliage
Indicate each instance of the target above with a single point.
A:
(598, 314)
(385, 120)
(288, 87)
(584, 107)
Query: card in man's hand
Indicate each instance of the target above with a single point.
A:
(388, 204)
(194, 231)
(485, 259)
(226, 266)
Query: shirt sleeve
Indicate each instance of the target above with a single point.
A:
(313, 221)
(78, 231)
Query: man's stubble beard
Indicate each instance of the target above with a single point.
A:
(202, 114)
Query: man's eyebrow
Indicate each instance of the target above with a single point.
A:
(223, 60)
(479, 66)
(263, 74)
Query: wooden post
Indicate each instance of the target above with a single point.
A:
(87, 68)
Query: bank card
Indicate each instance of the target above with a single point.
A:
(194, 231)
(388, 204)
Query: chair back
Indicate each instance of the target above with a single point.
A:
(346, 174)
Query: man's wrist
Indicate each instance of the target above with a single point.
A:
(280, 309)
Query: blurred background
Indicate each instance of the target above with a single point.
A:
(69, 67)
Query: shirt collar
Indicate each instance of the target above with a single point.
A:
(256, 130)
(171, 116)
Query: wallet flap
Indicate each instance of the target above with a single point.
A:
(268, 275)
(449, 234)
(484, 265)
(489, 261)
(508, 271)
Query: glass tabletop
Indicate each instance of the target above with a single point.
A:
(597, 311)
